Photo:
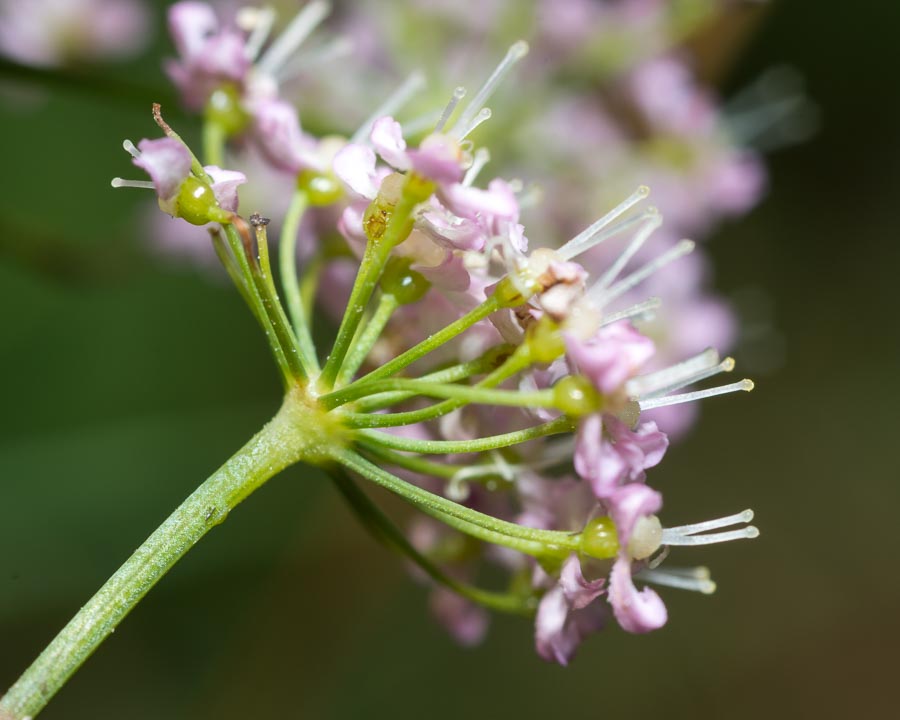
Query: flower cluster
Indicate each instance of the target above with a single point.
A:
(501, 389)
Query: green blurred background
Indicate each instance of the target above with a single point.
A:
(125, 381)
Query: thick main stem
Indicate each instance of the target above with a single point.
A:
(295, 433)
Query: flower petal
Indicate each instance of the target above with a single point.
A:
(355, 166)
(167, 162)
(387, 138)
(613, 355)
(437, 158)
(225, 185)
(630, 503)
(636, 612)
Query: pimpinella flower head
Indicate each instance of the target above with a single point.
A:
(209, 195)
(469, 369)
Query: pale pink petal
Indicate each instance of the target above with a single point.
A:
(613, 355)
(437, 158)
(387, 138)
(167, 162)
(636, 612)
(225, 185)
(355, 166)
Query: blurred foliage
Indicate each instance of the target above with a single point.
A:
(126, 381)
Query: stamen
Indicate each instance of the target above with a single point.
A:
(682, 248)
(118, 182)
(258, 22)
(644, 385)
(457, 489)
(482, 158)
(771, 112)
(513, 55)
(727, 365)
(746, 533)
(695, 579)
(639, 238)
(483, 115)
(303, 62)
(294, 34)
(688, 534)
(131, 149)
(640, 310)
(393, 102)
(458, 94)
(736, 519)
(530, 196)
(745, 385)
(420, 124)
(585, 239)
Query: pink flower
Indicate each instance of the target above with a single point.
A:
(209, 54)
(167, 162)
(280, 137)
(567, 613)
(613, 355)
(635, 611)
(609, 454)
(438, 157)
(180, 193)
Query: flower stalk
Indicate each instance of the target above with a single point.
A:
(297, 432)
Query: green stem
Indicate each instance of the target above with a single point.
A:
(388, 533)
(453, 373)
(234, 272)
(462, 394)
(287, 262)
(238, 263)
(214, 143)
(516, 362)
(398, 228)
(489, 306)
(364, 342)
(447, 447)
(281, 328)
(531, 541)
(413, 462)
(309, 286)
(295, 433)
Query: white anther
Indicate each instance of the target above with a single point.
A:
(639, 238)
(394, 101)
(304, 62)
(638, 276)
(742, 517)
(258, 22)
(744, 385)
(483, 116)
(586, 239)
(474, 108)
(641, 310)
(131, 149)
(300, 28)
(688, 534)
(645, 385)
(695, 579)
(747, 533)
(482, 157)
(458, 94)
(457, 489)
(727, 365)
(118, 182)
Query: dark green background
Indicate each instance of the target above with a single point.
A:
(125, 382)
